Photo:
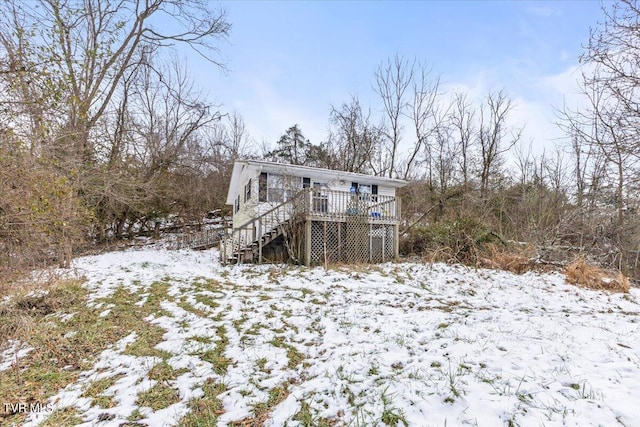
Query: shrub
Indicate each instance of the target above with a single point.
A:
(516, 259)
(581, 273)
(459, 240)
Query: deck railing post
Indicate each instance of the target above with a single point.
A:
(307, 239)
(396, 231)
(259, 241)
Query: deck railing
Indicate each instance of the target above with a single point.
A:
(341, 205)
(199, 239)
(315, 204)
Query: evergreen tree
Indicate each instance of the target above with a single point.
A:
(292, 148)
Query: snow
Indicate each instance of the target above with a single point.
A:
(10, 356)
(436, 344)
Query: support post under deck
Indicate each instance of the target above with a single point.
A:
(307, 243)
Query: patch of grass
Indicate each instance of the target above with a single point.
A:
(146, 340)
(159, 396)
(201, 339)
(135, 415)
(19, 315)
(64, 348)
(293, 355)
(306, 291)
(104, 402)
(254, 329)
(261, 363)
(454, 378)
(237, 323)
(307, 418)
(391, 416)
(186, 306)
(219, 362)
(215, 356)
(261, 410)
(157, 295)
(276, 395)
(57, 355)
(205, 410)
(162, 394)
(273, 275)
(163, 372)
(581, 273)
(207, 300)
(64, 417)
(96, 389)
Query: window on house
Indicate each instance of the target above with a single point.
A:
(262, 187)
(247, 191)
(237, 206)
(275, 188)
(281, 188)
(366, 191)
(306, 182)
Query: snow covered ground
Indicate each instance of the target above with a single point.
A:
(412, 344)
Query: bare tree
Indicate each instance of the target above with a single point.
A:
(495, 137)
(354, 141)
(462, 120)
(393, 79)
(77, 53)
(424, 113)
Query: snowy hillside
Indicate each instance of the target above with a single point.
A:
(395, 344)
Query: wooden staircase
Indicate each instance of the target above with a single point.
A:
(245, 243)
(251, 252)
(199, 240)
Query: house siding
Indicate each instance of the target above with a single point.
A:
(336, 225)
(247, 209)
(256, 208)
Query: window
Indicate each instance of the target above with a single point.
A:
(281, 188)
(275, 188)
(247, 191)
(364, 189)
(262, 187)
(306, 182)
(237, 205)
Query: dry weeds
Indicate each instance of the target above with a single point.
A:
(581, 273)
(517, 260)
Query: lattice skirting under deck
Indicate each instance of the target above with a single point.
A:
(351, 242)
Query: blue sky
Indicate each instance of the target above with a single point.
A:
(290, 61)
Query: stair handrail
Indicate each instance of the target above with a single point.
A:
(243, 227)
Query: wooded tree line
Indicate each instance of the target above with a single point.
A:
(104, 135)
(102, 130)
(474, 180)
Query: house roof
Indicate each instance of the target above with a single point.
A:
(306, 171)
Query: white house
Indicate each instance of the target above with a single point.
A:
(312, 215)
